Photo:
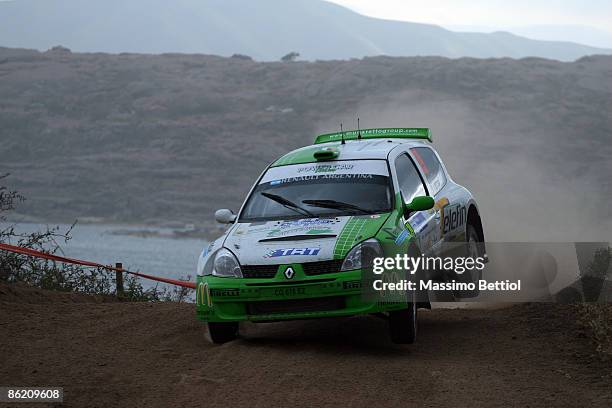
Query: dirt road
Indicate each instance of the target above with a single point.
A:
(107, 353)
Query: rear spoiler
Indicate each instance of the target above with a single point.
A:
(379, 133)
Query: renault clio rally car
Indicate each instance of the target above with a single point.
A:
(295, 248)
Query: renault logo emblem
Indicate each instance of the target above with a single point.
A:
(289, 273)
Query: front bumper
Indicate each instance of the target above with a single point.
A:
(328, 295)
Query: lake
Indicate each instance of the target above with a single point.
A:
(160, 256)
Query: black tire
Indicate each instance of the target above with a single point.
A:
(403, 325)
(473, 249)
(222, 332)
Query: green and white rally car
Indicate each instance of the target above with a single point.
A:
(295, 248)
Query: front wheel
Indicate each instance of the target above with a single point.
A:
(403, 325)
(222, 332)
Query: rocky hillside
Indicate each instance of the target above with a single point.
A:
(152, 138)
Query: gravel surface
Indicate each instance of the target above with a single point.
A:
(106, 353)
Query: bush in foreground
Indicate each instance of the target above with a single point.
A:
(51, 275)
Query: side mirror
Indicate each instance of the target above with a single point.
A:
(420, 203)
(225, 216)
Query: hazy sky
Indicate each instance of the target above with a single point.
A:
(568, 20)
(582, 21)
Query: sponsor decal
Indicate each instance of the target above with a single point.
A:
(393, 232)
(350, 176)
(308, 223)
(274, 253)
(361, 167)
(277, 232)
(439, 206)
(406, 233)
(325, 168)
(225, 292)
(409, 228)
(351, 285)
(417, 221)
(319, 231)
(289, 291)
(258, 229)
(454, 217)
(203, 297)
(289, 273)
(303, 226)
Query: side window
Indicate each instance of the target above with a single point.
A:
(408, 178)
(431, 167)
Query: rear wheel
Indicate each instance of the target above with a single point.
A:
(222, 332)
(403, 325)
(473, 275)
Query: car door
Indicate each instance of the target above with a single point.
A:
(450, 214)
(412, 184)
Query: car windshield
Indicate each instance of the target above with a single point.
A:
(320, 189)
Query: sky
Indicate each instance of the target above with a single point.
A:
(584, 21)
(587, 22)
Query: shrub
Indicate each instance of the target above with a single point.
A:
(47, 274)
(292, 56)
(242, 57)
(597, 319)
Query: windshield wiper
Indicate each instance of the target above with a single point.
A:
(337, 205)
(287, 203)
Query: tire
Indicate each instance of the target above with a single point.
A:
(473, 249)
(403, 325)
(222, 332)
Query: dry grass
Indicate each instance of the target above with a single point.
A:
(597, 320)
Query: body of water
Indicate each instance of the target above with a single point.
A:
(160, 256)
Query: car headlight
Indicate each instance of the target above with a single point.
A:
(362, 255)
(223, 263)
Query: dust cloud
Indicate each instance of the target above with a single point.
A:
(529, 180)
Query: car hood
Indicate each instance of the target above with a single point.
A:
(303, 240)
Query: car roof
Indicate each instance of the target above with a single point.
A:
(351, 150)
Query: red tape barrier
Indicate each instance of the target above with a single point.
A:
(62, 259)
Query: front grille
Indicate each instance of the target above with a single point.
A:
(322, 267)
(310, 269)
(259, 271)
(296, 305)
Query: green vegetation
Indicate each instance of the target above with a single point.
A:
(292, 56)
(596, 318)
(51, 275)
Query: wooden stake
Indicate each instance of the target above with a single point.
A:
(119, 279)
